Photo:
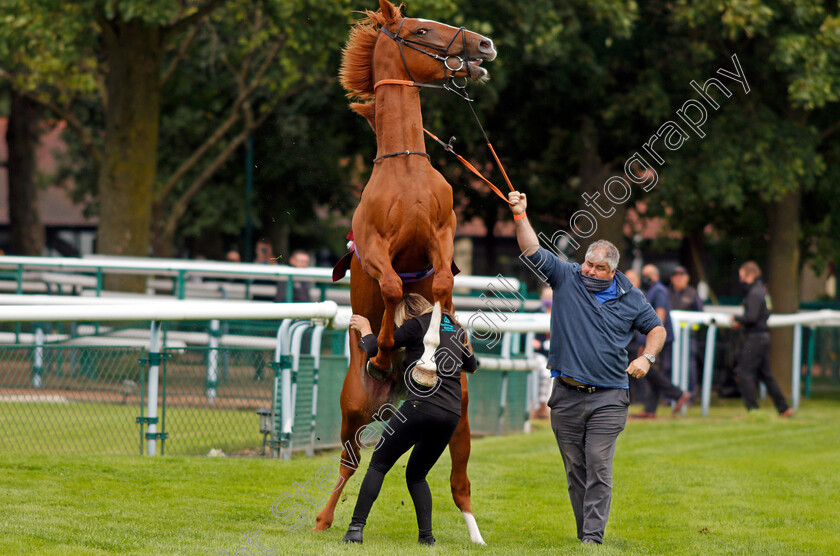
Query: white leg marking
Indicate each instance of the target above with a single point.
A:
(425, 372)
(472, 527)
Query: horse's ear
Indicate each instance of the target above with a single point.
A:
(367, 110)
(390, 12)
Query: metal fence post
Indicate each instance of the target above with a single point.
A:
(676, 351)
(299, 329)
(796, 371)
(213, 361)
(685, 365)
(154, 372)
(288, 378)
(315, 352)
(180, 284)
(812, 343)
(507, 339)
(708, 367)
(277, 421)
(19, 280)
(533, 389)
(38, 363)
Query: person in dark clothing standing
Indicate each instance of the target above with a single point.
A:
(300, 289)
(753, 356)
(428, 418)
(638, 387)
(685, 298)
(264, 254)
(659, 378)
(682, 295)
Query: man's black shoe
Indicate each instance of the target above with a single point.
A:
(354, 534)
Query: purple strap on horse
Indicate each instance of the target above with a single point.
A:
(343, 265)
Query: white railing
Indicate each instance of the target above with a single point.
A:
(180, 270)
(488, 324)
(682, 324)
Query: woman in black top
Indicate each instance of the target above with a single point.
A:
(428, 417)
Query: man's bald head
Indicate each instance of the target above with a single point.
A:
(650, 271)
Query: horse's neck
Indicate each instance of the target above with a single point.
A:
(399, 123)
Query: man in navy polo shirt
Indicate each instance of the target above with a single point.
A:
(659, 378)
(594, 313)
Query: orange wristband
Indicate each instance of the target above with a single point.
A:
(519, 216)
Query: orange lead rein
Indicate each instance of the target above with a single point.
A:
(463, 161)
(474, 170)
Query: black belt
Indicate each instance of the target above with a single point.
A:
(582, 388)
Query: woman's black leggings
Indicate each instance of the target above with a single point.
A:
(426, 427)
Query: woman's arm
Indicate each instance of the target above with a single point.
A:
(368, 341)
(470, 364)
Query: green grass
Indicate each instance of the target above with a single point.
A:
(729, 484)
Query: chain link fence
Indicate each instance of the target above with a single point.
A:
(59, 399)
(210, 399)
(822, 363)
(70, 400)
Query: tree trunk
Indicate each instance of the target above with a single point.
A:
(593, 173)
(129, 165)
(163, 241)
(783, 281)
(696, 242)
(22, 137)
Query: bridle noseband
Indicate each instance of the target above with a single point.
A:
(449, 84)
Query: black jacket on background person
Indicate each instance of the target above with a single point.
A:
(756, 310)
(685, 300)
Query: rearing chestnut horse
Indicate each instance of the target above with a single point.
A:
(405, 222)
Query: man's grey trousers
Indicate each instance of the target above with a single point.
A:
(586, 427)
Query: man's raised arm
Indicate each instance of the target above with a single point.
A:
(525, 234)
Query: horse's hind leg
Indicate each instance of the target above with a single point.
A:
(347, 466)
(459, 450)
(353, 418)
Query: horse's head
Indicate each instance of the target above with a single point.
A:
(431, 51)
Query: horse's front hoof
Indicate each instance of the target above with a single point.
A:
(376, 373)
(322, 523)
(424, 377)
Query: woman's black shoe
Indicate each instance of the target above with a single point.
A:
(427, 539)
(354, 534)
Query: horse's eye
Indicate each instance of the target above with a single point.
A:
(422, 32)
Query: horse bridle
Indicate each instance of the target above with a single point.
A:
(450, 84)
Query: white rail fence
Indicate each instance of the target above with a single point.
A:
(490, 326)
(295, 319)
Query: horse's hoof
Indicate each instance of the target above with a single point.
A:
(424, 377)
(322, 523)
(376, 373)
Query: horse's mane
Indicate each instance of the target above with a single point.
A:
(356, 71)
